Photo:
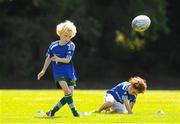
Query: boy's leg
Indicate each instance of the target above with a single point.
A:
(108, 110)
(70, 102)
(105, 106)
(60, 104)
(68, 97)
(109, 101)
(119, 108)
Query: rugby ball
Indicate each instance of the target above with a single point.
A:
(141, 23)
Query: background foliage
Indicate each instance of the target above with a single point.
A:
(106, 46)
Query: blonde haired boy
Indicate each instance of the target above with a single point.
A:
(60, 54)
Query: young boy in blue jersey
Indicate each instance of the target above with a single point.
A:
(60, 53)
(123, 96)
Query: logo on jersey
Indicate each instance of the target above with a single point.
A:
(69, 52)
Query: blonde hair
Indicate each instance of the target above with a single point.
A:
(138, 83)
(66, 27)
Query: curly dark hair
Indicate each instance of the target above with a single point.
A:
(138, 83)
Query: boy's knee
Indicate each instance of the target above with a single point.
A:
(110, 102)
(67, 92)
(65, 87)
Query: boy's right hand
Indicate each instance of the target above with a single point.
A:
(40, 75)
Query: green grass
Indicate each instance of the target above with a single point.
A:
(20, 106)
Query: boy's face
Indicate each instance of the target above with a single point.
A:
(132, 91)
(65, 37)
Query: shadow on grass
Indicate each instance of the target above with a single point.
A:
(45, 117)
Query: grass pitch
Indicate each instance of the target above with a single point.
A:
(21, 106)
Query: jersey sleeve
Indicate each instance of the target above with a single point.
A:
(132, 100)
(124, 97)
(70, 52)
(49, 51)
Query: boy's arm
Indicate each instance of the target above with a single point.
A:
(128, 107)
(58, 59)
(46, 64)
(131, 105)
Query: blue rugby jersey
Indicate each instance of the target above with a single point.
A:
(120, 93)
(63, 51)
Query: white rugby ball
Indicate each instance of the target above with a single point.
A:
(141, 23)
